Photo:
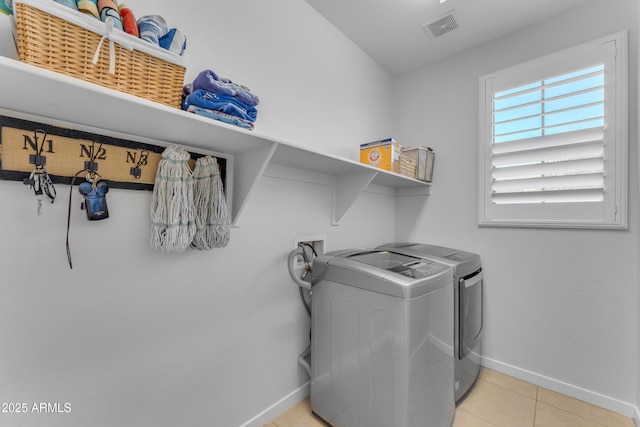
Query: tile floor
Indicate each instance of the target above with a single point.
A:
(498, 400)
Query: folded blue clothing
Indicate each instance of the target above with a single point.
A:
(218, 115)
(152, 27)
(187, 89)
(226, 104)
(210, 81)
(174, 41)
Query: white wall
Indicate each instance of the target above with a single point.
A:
(316, 86)
(134, 337)
(637, 415)
(561, 305)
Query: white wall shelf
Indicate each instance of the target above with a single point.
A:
(39, 92)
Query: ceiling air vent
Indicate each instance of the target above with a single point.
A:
(441, 25)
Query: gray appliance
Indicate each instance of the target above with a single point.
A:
(468, 306)
(382, 340)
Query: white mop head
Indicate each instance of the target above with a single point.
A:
(172, 207)
(211, 214)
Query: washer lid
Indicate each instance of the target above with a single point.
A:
(463, 262)
(386, 272)
(399, 263)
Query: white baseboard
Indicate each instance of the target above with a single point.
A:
(615, 405)
(279, 407)
(610, 403)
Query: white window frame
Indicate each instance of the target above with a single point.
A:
(612, 212)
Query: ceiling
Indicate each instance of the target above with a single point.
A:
(392, 33)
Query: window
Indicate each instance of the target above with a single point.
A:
(553, 140)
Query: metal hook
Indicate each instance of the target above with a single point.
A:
(93, 177)
(39, 147)
(94, 154)
(144, 155)
(92, 165)
(136, 171)
(38, 159)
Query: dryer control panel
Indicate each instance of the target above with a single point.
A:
(406, 265)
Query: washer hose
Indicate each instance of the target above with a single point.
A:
(307, 252)
(302, 359)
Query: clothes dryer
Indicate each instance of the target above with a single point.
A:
(468, 306)
(381, 340)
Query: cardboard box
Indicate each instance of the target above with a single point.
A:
(383, 154)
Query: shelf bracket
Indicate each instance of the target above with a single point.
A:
(347, 190)
(247, 170)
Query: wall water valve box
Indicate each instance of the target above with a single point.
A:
(383, 154)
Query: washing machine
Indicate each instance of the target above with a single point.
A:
(468, 306)
(381, 340)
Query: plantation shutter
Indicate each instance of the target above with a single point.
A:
(553, 140)
(548, 140)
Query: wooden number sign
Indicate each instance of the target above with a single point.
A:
(64, 152)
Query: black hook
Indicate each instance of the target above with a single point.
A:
(92, 165)
(137, 171)
(38, 159)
